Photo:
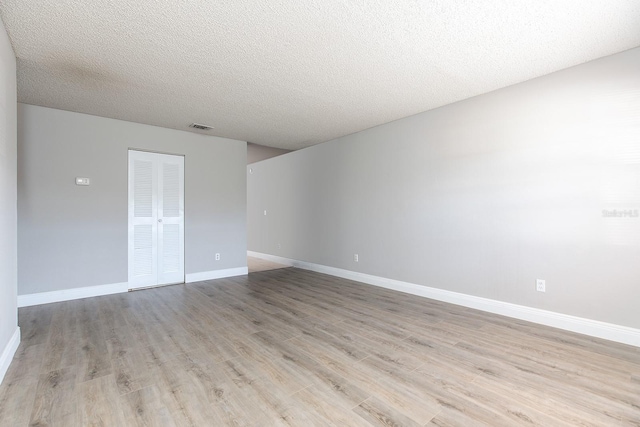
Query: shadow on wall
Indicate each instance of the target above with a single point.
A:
(256, 153)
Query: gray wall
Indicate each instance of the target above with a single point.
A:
(8, 242)
(72, 236)
(256, 152)
(480, 197)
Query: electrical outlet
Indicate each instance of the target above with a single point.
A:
(355, 257)
(541, 285)
(279, 246)
(217, 257)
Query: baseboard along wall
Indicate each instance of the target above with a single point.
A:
(115, 288)
(216, 274)
(594, 328)
(8, 353)
(71, 294)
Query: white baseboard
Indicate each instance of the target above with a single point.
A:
(115, 288)
(8, 352)
(216, 274)
(594, 328)
(71, 294)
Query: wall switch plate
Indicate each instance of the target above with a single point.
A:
(355, 257)
(265, 212)
(217, 257)
(541, 285)
(83, 181)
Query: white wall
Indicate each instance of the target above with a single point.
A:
(9, 335)
(73, 237)
(480, 197)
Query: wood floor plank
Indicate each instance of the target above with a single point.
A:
(290, 347)
(52, 406)
(93, 356)
(321, 374)
(99, 402)
(241, 371)
(326, 406)
(278, 408)
(209, 375)
(406, 399)
(144, 408)
(34, 324)
(185, 399)
(525, 383)
(131, 371)
(542, 348)
(337, 347)
(594, 346)
(61, 347)
(260, 354)
(117, 333)
(378, 413)
(16, 400)
(26, 362)
(200, 329)
(580, 371)
(390, 350)
(507, 409)
(559, 407)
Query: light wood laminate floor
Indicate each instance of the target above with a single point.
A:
(290, 347)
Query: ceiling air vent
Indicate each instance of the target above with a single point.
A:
(200, 127)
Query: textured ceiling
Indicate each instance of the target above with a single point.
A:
(290, 74)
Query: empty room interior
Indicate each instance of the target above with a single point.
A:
(320, 213)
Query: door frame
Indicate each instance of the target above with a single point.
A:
(156, 187)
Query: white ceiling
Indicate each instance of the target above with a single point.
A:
(290, 74)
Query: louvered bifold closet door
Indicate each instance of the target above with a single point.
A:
(171, 220)
(143, 219)
(156, 219)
